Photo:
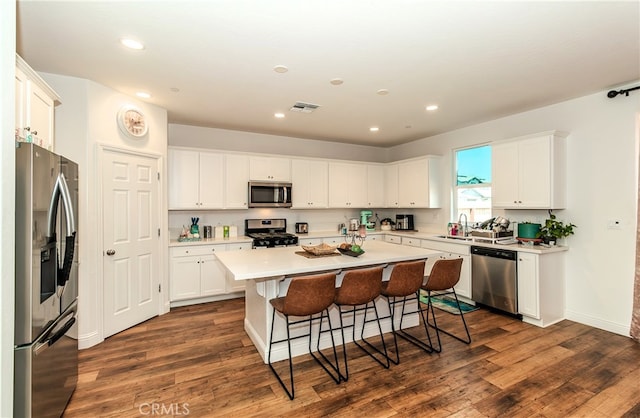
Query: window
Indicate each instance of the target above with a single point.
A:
(472, 191)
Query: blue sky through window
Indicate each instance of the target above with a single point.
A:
(474, 163)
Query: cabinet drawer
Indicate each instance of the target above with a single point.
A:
(196, 250)
(239, 246)
(393, 238)
(414, 242)
(309, 241)
(447, 247)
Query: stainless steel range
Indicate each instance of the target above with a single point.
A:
(269, 233)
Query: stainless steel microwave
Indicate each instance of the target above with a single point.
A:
(266, 194)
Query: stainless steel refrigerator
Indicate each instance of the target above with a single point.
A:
(46, 345)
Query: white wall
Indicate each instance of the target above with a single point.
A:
(86, 122)
(602, 169)
(7, 201)
(199, 137)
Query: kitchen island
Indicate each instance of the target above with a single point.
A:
(267, 273)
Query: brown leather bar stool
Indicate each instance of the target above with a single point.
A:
(404, 285)
(358, 292)
(307, 296)
(445, 274)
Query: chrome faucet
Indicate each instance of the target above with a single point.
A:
(465, 228)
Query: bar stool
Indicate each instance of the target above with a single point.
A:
(306, 296)
(358, 291)
(445, 274)
(404, 285)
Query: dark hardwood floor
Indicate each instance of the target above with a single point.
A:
(197, 361)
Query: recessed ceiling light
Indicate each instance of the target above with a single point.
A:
(383, 92)
(174, 89)
(279, 115)
(131, 43)
(280, 69)
(143, 95)
(374, 129)
(432, 107)
(336, 81)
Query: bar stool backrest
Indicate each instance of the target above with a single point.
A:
(359, 286)
(445, 274)
(309, 295)
(406, 278)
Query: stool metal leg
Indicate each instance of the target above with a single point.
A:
(430, 308)
(290, 393)
(335, 367)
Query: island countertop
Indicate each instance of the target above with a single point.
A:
(283, 261)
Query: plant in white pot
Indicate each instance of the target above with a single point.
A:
(553, 230)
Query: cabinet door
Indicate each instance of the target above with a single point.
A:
(184, 278)
(528, 301)
(236, 181)
(347, 185)
(504, 181)
(310, 179)
(211, 180)
(212, 276)
(269, 169)
(463, 288)
(184, 173)
(413, 184)
(21, 101)
(534, 159)
(231, 284)
(39, 114)
(391, 186)
(375, 186)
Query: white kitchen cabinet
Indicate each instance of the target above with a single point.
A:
(337, 240)
(419, 183)
(195, 179)
(530, 173)
(196, 272)
(450, 251)
(412, 242)
(35, 102)
(541, 288)
(375, 186)
(391, 186)
(236, 185)
(393, 239)
(310, 180)
(309, 241)
(347, 185)
(269, 168)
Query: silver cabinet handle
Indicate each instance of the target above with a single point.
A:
(111, 252)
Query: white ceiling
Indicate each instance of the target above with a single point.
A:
(478, 60)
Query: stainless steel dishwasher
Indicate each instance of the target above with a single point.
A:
(493, 278)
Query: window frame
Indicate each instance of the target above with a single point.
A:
(455, 213)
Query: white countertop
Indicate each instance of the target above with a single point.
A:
(211, 241)
(278, 262)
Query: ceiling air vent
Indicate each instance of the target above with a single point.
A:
(304, 107)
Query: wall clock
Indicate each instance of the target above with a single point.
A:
(132, 122)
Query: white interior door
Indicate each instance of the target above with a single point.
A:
(131, 251)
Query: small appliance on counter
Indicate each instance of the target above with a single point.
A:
(354, 224)
(207, 231)
(364, 220)
(404, 223)
(386, 224)
(302, 228)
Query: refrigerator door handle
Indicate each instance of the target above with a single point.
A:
(47, 339)
(61, 190)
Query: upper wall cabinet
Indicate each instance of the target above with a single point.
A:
(530, 172)
(310, 180)
(35, 103)
(391, 186)
(207, 180)
(375, 186)
(418, 183)
(347, 185)
(195, 179)
(269, 168)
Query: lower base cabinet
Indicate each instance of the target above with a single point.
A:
(541, 288)
(196, 274)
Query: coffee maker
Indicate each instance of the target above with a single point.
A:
(364, 220)
(404, 223)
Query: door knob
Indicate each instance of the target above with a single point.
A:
(111, 252)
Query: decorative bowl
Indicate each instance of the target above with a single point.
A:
(350, 253)
(320, 249)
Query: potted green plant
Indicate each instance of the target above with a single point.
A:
(553, 230)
